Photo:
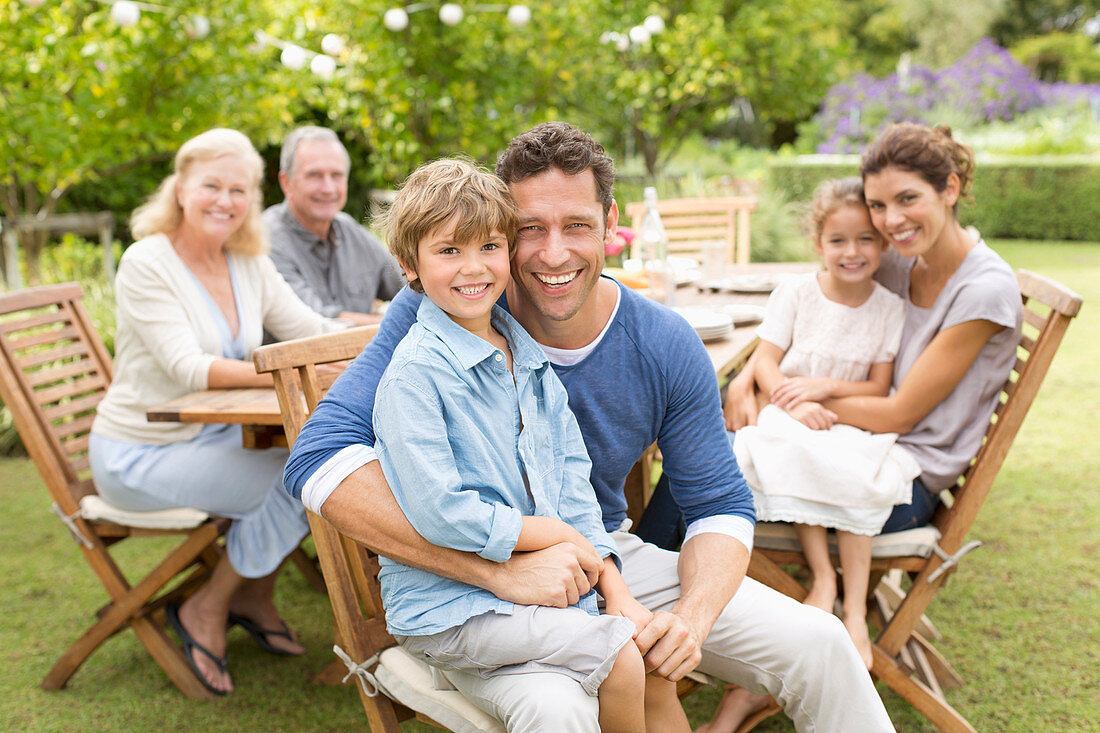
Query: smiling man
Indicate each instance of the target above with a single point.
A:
(635, 373)
(335, 265)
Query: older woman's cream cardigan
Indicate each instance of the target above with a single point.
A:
(167, 338)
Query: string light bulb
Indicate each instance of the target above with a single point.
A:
(126, 13)
(450, 14)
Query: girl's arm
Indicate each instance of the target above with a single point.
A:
(767, 373)
(815, 389)
(937, 371)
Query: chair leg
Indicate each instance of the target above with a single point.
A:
(127, 606)
(310, 569)
(917, 694)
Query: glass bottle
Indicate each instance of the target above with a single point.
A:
(654, 252)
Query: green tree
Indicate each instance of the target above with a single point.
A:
(82, 97)
(1061, 56)
(715, 60)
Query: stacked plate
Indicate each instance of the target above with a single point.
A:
(708, 323)
(743, 314)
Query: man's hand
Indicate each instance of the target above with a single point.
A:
(556, 576)
(670, 645)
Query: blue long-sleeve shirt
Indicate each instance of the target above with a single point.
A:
(648, 379)
(469, 448)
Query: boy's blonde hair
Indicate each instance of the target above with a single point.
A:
(440, 191)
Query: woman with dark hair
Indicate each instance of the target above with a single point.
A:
(958, 344)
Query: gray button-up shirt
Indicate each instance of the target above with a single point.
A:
(345, 273)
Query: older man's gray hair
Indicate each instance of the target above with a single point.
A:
(297, 137)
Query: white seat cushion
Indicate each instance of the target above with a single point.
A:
(94, 508)
(409, 681)
(911, 542)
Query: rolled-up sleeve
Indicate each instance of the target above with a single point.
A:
(417, 460)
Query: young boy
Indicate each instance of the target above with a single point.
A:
(476, 439)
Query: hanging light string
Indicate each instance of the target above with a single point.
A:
(293, 56)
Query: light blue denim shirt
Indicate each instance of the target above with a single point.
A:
(455, 436)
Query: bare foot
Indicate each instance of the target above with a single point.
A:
(857, 629)
(736, 706)
(207, 629)
(822, 595)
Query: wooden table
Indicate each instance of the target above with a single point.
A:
(257, 409)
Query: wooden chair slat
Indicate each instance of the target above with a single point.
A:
(1034, 319)
(60, 372)
(38, 358)
(35, 321)
(61, 335)
(899, 651)
(75, 426)
(73, 407)
(82, 370)
(76, 446)
(70, 389)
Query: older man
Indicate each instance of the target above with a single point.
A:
(335, 265)
(635, 372)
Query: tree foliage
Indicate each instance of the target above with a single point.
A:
(82, 97)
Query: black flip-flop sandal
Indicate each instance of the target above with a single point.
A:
(172, 610)
(260, 635)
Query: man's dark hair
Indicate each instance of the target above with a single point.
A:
(562, 146)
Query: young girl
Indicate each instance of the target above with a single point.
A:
(832, 333)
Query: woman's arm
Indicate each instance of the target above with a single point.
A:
(796, 390)
(232, 373)
(937, 371)
(740, 408)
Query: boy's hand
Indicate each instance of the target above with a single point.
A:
(813, 415)
(796, 390)
(631, 609)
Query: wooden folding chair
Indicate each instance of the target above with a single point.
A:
(54, 370)
(689, 223)
(903, 656)
(394, 686)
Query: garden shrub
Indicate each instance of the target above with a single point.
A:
(1019, 198)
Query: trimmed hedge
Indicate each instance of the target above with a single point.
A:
(1042, 197)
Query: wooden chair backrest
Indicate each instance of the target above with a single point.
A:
(350, 570)
(54, 370)
(689, 223)
(1048, 309)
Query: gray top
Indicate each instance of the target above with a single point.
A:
(983, 288)
(344, 274)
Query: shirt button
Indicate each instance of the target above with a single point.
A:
(499, 357)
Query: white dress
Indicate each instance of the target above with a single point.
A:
(843, 477)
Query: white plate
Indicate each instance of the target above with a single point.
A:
(744, 314)
(743, 284)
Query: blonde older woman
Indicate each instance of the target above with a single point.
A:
(194, 296)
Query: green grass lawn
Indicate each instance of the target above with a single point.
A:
(1019, 618)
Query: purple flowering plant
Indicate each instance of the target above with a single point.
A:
(987, 84)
